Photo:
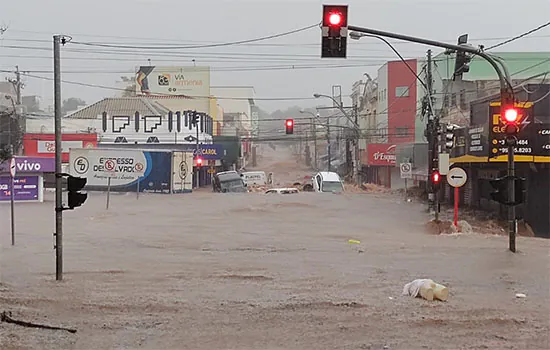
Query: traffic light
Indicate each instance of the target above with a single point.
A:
(500, 193)
(199, 161)
(194, 118)
(462, 60)
(436, 178)
(74, 197)
(289, 124)
(510, 117)
(334, 33)
(449, 136)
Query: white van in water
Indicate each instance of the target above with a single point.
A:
(254, 178)
(327, 181)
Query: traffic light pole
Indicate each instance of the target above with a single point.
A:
(58, 177)
(512, 227)
(197, 151)
(506, 97)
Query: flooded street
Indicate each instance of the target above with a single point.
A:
(252, 271)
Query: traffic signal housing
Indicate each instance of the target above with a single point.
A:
(462, 60)
(334, 31)
(289, 125)
(194, 118)
(500, 193)
(436, 178)
(199, 161)
(510, 117)
(75, 198)
(449, 136)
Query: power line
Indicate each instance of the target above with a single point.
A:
(205, 97)
(157, 39)
(231, 43)
(518, 36)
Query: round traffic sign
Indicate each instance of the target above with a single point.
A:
(110, 165)
(457, 177)
(405, 167)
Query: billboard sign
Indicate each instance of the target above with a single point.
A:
(125, 167)
(193, 81)
(26, 188)
(43, 145)
(30, 165)
(381, 154)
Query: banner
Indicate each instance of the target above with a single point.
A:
(26, 188)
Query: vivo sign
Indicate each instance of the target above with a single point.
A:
(30, 165)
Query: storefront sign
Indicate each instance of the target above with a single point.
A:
(26, 188)
(30, 165)
(381, 154)
(43, 145)
(212, 151)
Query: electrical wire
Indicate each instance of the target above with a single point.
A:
(518, 36)
(190, 96)
(232, 43)
(157, 39)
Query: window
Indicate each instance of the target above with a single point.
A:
(402, 91)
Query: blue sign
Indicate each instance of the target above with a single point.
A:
(212, 151)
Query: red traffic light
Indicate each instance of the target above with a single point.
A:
(335, 18)
(289, 123)
(199, 161)
(511, 115)
(436, 177)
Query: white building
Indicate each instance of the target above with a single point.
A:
(238, 99)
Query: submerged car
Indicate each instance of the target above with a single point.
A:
(289, 190)
(228, 181)
(327, 181)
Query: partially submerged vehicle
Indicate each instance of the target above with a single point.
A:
(327, 181)
(289, 190)
(254, 178)
(228, 181)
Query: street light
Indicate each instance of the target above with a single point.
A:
(355, 128)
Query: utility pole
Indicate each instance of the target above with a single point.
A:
(17, 85)
(314, 133)
(197, 147)
(58, 177)
(357, 151)
(432, 129)
(328, 148)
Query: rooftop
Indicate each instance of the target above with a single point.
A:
(121, 106)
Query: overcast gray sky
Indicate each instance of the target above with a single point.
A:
(31, 24)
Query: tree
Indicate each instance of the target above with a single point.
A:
(72, 104)
(130, 89)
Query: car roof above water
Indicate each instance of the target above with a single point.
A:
(228, 175)
(330, 176)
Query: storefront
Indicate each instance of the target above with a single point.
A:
(378, 162)
(43, 145)
(28, 182)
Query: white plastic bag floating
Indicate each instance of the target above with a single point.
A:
(427, 289)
